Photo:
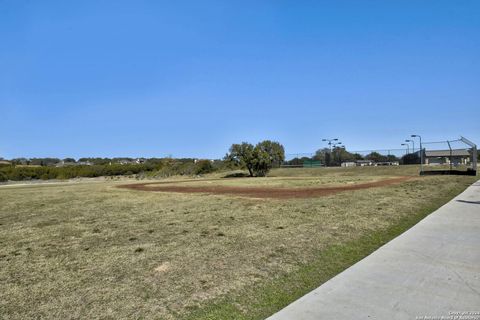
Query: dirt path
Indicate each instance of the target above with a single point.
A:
(259, 192)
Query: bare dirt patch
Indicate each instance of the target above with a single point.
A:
(260, 192)
(164, 267)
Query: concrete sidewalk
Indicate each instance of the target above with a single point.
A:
(432, 270)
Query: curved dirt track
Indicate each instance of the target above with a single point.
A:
(259, 192)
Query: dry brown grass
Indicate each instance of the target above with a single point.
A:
(91, 250)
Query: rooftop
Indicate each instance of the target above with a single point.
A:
(446, 153)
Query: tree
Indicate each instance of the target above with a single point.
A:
(262, 161)
(323, 155)
(336, 156)
(298, 161)
(410, 158)
(274, 150)
(257, 160)
(242, 155)
(340, 154)
(20, 161)
(376, 157)
(392, 158)
(203, 167)
(357, 156)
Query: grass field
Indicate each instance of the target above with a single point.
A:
(92, 250)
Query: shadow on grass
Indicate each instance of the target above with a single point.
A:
(237, 175)
(471, 202)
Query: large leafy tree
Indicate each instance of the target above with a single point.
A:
(323, 155)
(257, 160)
(242, 155)
(340, 155)
(273, 150)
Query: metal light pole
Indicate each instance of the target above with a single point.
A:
(413, 145)
(421, 150)
(336, 146)
(407, 150)
(330, 145)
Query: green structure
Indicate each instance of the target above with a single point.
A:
(311, 163)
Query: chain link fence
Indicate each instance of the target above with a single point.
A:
(457, 156)
(343, 157)
(454, 154)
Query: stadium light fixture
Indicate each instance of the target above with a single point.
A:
(330, 142)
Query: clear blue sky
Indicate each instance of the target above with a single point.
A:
(188, 78)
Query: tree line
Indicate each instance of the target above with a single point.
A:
(256, 159)
(337, 155)
(161, 168)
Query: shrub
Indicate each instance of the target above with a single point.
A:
(164, 168)
(203, 167)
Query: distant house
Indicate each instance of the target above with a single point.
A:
(349, 164)
(439, 157)
(125, 161)
(364, 163)
(84, 163)
(131, 161)
(388, 163)
(68, 163)
(5, 162)
(371, 163)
